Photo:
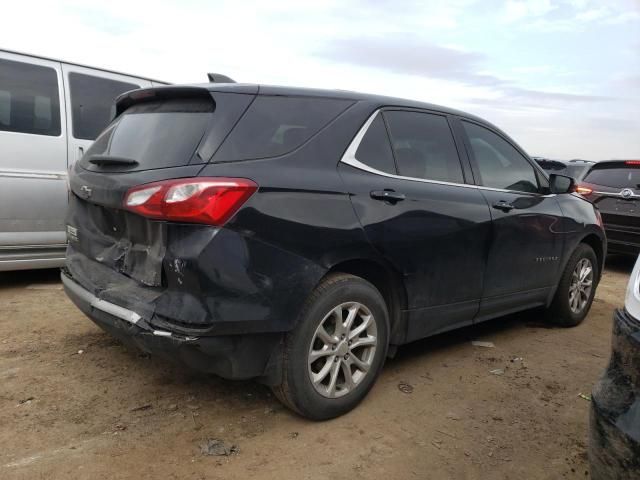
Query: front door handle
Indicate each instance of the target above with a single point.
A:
(503, 205)
(390, 196)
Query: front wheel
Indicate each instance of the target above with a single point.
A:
(334, 355)
(576, 289)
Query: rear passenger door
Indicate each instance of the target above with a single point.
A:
(33, 150)
(91, 103)
(526, 242)
(411, 192)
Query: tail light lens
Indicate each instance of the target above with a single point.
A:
(582, 190)
(212, 201)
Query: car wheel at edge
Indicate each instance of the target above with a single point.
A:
(334, 355)
(576, 289)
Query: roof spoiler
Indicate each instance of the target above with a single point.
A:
(219, 78)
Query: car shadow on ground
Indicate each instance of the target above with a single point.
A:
(24, 278)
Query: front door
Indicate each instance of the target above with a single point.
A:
(410, 194)
(526, 243)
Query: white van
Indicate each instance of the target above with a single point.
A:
(50, 113)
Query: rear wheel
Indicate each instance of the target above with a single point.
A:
(334, 355)
(576, 289)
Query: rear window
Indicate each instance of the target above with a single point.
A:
(275, 125)
(618, 177)
(156, 134)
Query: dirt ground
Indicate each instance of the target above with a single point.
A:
(74, 403)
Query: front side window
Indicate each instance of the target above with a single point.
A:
(374, 149)
(423, 146)
(93, 103)
(29, 100)
(500, 165)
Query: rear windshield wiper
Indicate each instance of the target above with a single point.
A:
(106, 160)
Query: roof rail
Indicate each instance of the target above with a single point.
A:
(219, 78)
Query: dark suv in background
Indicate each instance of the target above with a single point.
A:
(294, 236)
(573, 168)
(614, 187)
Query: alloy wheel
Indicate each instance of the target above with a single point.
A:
(342, 349)
(581, 284)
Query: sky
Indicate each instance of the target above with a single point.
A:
(560, 77)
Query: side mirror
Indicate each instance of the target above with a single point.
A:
(561, 183)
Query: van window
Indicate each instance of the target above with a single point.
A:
(423, 146)
(275, 125)
(93, 103)
(29, 100)
(374, 149)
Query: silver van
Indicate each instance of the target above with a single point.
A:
(50, 113)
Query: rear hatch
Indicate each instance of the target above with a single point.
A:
(158, 134)
(614, 187)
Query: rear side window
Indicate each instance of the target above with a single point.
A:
(628, 177)
(275, 125)
(500, 164)
(423, 146)
(29, 100)
(374, 149)
(93, 103)
(156, 134)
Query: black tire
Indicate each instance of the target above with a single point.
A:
(560, 312)
(297, 390)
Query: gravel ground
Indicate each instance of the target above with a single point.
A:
(74, 403)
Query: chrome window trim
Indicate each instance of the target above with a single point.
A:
(349, 158)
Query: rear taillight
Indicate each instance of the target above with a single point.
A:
(632, 162)
(195, 200)
(582, 190)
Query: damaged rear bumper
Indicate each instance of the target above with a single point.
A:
(242, 356)
(614, 444)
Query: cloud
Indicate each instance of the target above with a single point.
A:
(411, 55)
(516, 10)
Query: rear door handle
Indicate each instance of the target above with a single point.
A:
(504, 206)
(388, 196)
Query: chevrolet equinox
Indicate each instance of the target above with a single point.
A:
(299, 236)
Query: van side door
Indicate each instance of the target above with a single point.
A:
(33, 152)
(91, 103)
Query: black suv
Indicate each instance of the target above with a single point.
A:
(614, 187)
(294, 236)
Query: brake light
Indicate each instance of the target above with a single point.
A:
(212, 201)
(582, 190)
(632, 162)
